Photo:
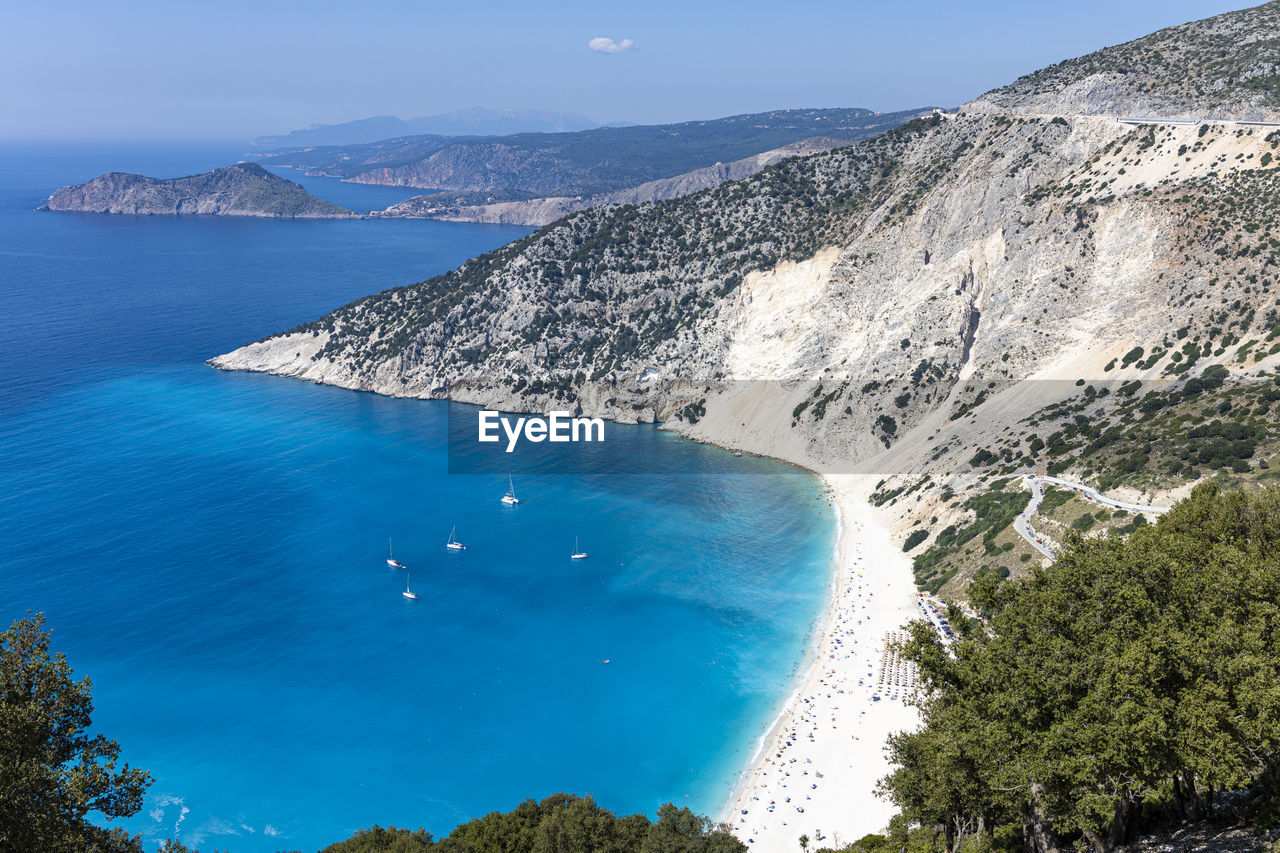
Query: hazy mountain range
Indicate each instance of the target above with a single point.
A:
(474, 121)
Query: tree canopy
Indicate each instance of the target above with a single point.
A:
(53, 773)
(561, 823)
(1132, 673)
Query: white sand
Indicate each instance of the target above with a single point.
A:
(836, 731)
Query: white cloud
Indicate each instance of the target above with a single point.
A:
(608, 45)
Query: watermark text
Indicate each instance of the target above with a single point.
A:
(555, 427)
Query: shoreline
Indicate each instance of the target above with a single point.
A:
(813, 641)
(815, 768)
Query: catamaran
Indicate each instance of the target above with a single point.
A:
(407, 593)
(510, 497)
(391, 558)
(454, 544)
(577, 555)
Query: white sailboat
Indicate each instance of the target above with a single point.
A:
(510, 498)
(454, 544)
(391, 558)
(577, 555)
(413, 596)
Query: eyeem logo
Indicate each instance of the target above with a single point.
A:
(555, 427)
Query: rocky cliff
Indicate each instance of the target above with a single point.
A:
(890, 308)
(245, 189)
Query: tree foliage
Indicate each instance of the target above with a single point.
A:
(561, 823)
(379, 840)
(1132, 673)
(53, 773)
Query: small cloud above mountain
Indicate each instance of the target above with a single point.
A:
(608, 45)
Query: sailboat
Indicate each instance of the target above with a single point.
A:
(391, 558)
(577, 555)
(454, 544)
(413, 596)
(510, 498)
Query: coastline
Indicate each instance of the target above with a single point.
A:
(782, 709)
(824, 749)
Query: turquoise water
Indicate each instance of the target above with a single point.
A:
(209, 547)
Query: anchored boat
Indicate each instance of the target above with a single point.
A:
(510, 498)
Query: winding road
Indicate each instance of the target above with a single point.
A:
(1022, 523)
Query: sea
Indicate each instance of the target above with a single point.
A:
(210, 548)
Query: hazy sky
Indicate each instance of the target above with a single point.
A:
(234, 70)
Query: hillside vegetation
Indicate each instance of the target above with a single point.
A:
(1227, 66)
(1132, 679)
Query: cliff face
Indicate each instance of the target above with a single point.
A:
(241, 190)
(543, 211)
(886, 308)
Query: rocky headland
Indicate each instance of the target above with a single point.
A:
(245, 189)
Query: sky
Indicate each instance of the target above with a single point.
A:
(233, 70)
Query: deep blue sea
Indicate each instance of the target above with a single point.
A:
(210, 547)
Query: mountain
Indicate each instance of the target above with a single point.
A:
(544, 165)
(245, 189)
(345, 133)
(1225, 67)
(474, 121)
(941, 309)
(542, 211)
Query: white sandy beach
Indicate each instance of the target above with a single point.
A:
(817, 770)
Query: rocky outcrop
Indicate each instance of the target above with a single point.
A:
(543, 211)
(245, 189)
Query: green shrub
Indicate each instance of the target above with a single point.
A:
(914, 539)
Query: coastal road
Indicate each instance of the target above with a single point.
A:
(1137, 121)
(1194, 121)
(1022, 524)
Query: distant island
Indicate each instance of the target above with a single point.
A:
(245, 189)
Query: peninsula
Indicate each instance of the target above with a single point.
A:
(245, 189)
